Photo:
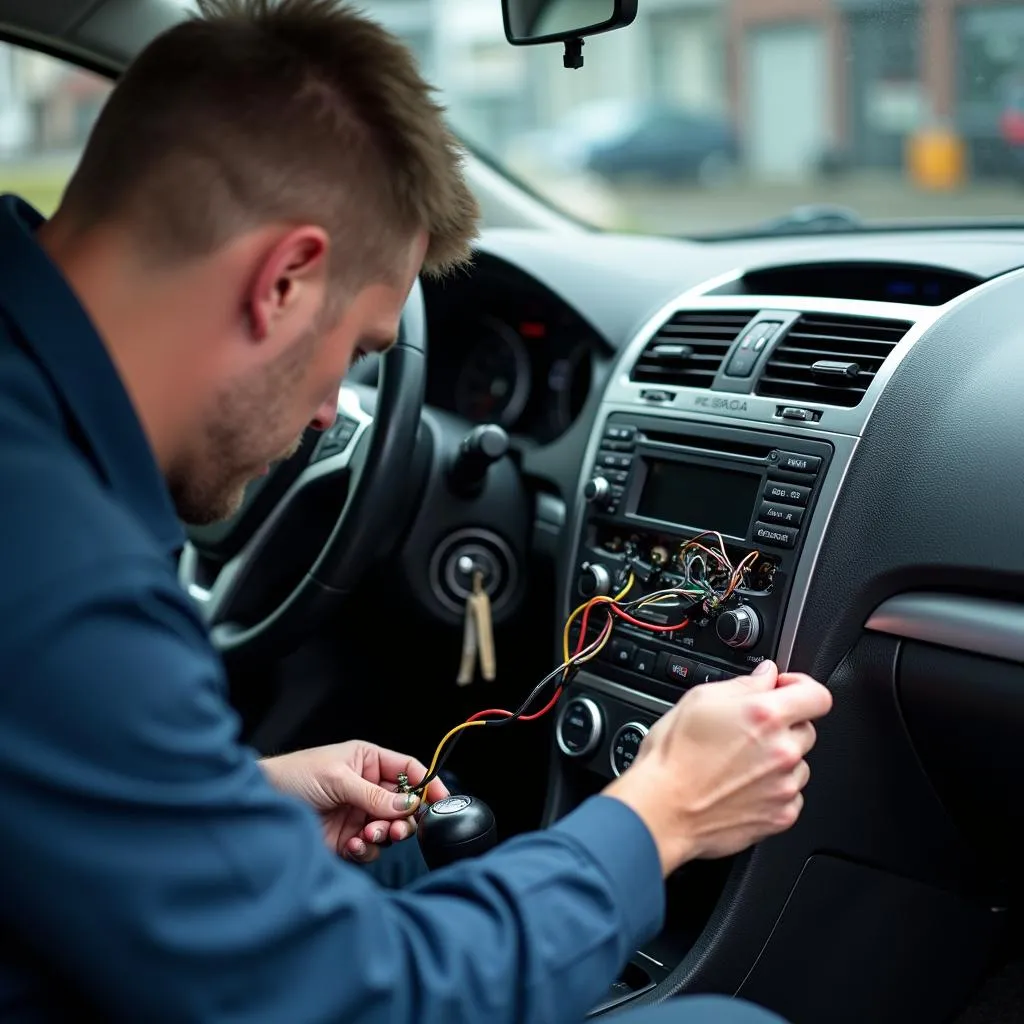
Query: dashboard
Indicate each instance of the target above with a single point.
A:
(508, 351)
(843, 414)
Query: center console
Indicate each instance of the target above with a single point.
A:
(715, 481)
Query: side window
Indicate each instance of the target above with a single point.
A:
(47, 108)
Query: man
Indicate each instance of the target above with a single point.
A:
(249, 215)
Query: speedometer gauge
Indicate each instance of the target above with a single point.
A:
(493, 385)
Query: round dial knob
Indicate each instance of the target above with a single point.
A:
(595, 580)
(597, 489)
(626, 744)
(739, 627)
(579, 727)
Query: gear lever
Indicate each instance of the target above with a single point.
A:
(454, 828)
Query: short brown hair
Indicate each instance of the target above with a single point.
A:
(294, 110)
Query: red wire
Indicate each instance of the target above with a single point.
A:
(649, 625)
(580, 644)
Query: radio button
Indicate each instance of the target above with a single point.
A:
(622, 652)
(618, 476)
(679, 670)
(620, 433)
(795, 462)
(777, 536)
(769, 512)
(613, 461)
(617, 446)
(644, 662)
(709, 675)
(785, 494)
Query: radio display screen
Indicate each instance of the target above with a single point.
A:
(705, 497)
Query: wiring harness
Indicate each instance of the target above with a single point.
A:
(704, 579)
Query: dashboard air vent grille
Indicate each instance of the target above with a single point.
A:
(688, 350)
(829, 359)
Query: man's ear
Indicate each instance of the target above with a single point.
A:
(289, 280)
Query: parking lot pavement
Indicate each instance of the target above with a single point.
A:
(691, 210)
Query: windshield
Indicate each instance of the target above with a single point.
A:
(704, 117)
(716, 116)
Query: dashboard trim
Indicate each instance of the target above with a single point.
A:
(980, 625)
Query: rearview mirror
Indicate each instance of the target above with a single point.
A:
(532, 22)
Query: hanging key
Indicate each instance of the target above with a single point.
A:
(470, 646)
(480, 603)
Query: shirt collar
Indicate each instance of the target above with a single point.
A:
(57, 330)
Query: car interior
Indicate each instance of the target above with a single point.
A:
(804, 444)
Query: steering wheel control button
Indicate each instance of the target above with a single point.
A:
(795, 462)
(579, 727)
(679, 670)
(626, 745)
(622, 652)
(787, 515)
(787, 494)
(777, 536)
(644, 662)
(739, 627)
(337, 437)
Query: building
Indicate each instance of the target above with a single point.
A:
(819, 81)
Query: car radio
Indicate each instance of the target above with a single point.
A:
(692, 509)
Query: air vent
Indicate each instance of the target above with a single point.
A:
(829, 360)
(689, 349)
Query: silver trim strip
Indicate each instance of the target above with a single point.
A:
(977, 624)
(610, 689)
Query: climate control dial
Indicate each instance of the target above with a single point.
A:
(579, 727)
(739, 627)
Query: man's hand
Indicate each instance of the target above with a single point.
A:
(725, 767)
(354, 787)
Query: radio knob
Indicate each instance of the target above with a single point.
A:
(739, 627)
(595, 580)
(597, 489)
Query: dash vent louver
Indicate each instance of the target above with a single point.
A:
(689, 348)
(829, 359)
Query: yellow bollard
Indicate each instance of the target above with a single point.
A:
(936, 160)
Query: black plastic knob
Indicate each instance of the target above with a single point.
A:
(455, 828)
(479, 450)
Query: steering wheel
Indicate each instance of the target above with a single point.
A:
(370, 448)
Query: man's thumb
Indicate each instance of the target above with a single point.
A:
(763, 677)
(381, 803)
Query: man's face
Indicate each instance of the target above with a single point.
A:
(260, 414)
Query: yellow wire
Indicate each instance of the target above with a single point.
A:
(565, 647)
(594, 600)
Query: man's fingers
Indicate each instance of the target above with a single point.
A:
(392, 764)
(800, 700)
(762, 678)
(437, 790)
(380, 802)
(383, 833)
(805, 734)
(360, 851)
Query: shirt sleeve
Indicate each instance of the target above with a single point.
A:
(150, 863)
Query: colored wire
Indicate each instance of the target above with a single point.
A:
(693, 590)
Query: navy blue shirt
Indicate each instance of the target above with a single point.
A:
(150, 872)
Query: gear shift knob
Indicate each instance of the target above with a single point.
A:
(454, 828)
